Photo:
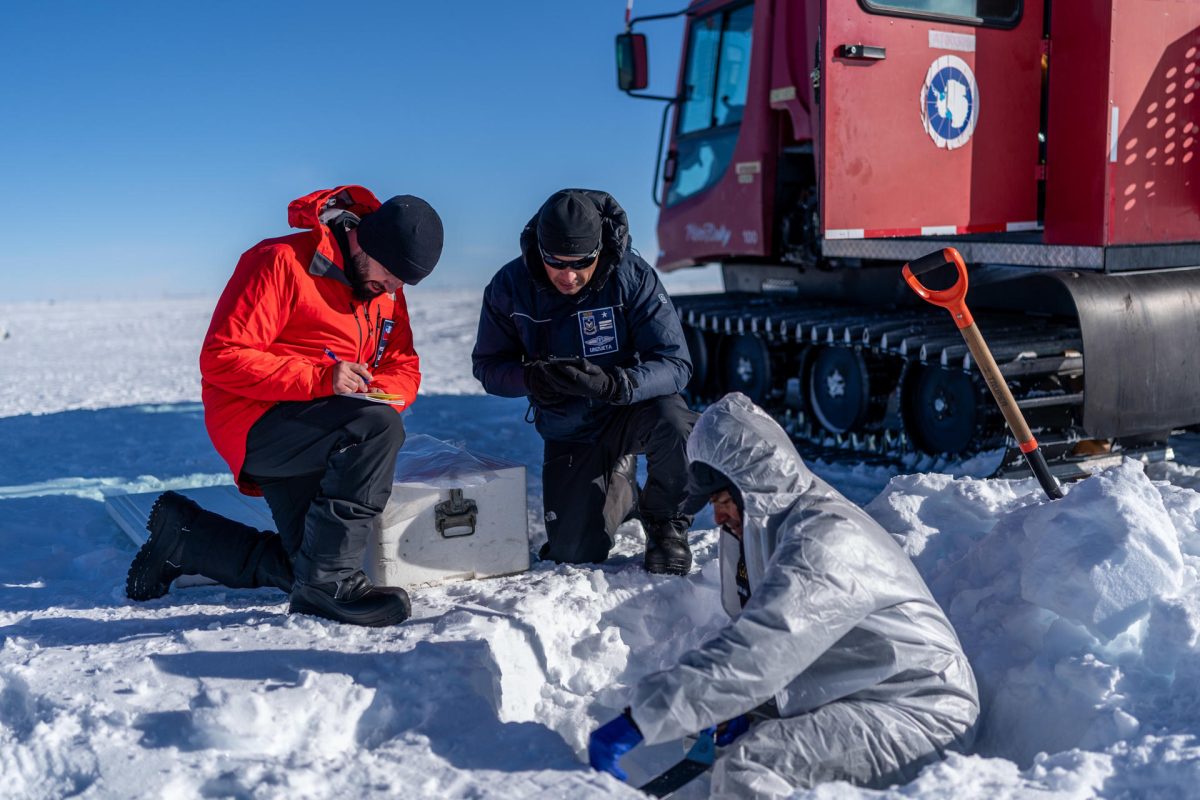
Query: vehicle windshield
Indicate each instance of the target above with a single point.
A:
(715, 81)
(1002, 13)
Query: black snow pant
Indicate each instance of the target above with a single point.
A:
(581, 517)
(325, 468)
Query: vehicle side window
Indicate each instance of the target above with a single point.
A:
(695, 114)
(733, 74)
(998, 13)
(700, 163)
(716, 79)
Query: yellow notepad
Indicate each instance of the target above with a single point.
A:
(380, 397)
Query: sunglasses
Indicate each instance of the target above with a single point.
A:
(584, 263)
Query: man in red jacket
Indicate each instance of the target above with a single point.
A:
(308, 324)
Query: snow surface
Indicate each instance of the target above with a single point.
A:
(1081, 617)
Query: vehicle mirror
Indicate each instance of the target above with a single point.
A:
(633, 69)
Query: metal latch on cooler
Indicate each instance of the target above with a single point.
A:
(455, 517)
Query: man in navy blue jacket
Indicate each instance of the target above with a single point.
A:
(582, 326)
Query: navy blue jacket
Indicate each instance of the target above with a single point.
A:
(623, 317)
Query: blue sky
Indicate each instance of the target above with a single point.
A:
(145, 145)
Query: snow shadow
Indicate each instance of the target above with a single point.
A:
(167, 441)
(112, 443)
(62, 548)
(59, 551)
(86, 631)
(447, 692)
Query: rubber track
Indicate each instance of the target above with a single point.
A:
(1027, 348)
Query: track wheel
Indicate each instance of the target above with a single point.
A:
(940, 409)
(698, 350)
(839, 388)
(746, 367)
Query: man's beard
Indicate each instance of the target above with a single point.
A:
(356, 273)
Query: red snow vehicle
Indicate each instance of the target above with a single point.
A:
(815, 146)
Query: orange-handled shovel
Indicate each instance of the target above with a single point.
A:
(954, 300)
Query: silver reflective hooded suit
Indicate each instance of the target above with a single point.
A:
(868, 676)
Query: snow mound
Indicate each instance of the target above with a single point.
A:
(1080, 616)
(319, 712)
(1099, 557)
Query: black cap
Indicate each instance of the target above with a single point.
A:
(569, 224)
(703, 482)
(405, 236)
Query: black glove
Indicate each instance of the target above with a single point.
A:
(582, 378)
(542, 385)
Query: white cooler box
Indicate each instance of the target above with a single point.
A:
(453, 515)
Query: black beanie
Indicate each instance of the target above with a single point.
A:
(569, 225)
(405, 236)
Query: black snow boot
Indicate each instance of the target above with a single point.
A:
(354, 600)
(667, 551)
(621, 499)
(160, 559)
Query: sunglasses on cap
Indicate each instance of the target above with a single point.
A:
(583, 263)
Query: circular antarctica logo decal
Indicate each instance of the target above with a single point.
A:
(949, 102)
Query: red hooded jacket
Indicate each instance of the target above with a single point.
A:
(288, 301)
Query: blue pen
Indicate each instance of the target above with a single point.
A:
(333, 355)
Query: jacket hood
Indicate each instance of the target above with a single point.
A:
(315, 212)
(614, 239)
(317, 208)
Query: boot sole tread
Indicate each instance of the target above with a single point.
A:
(155, 548)
(314, 610)
(670, 568)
